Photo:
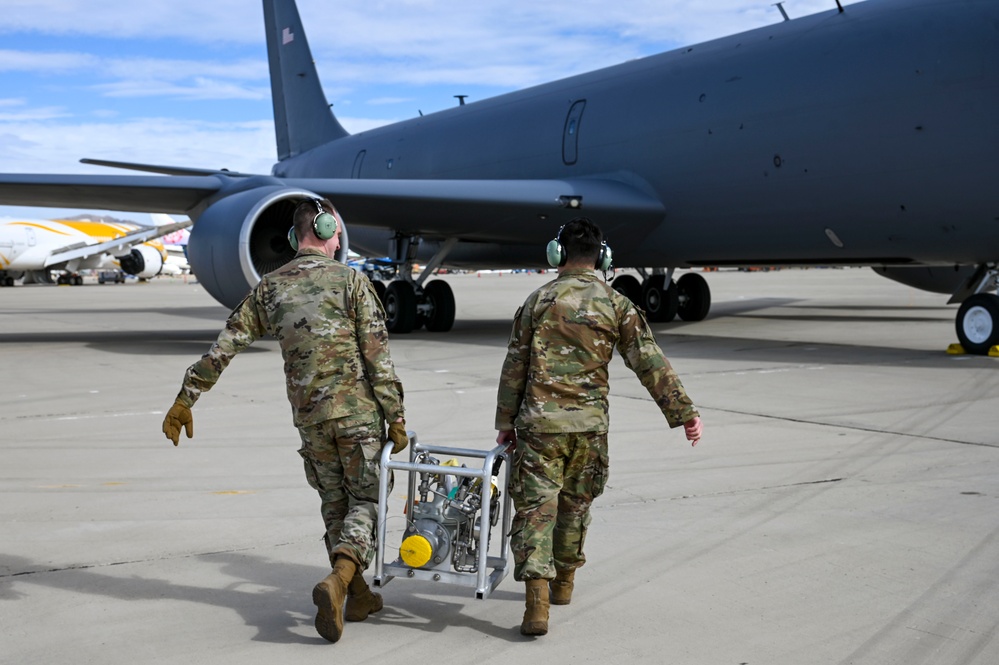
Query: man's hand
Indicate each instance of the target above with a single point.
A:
(178, 416)
(397, 432)
(693, 428)
(509, 437)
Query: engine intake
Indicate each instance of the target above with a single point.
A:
(244, 236)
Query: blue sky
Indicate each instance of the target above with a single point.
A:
(185, 82)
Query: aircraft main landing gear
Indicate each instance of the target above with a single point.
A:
(663, 299)
(409, 304)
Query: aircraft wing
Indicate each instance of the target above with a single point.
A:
(503, 211)
(173, 194)
(115, 245)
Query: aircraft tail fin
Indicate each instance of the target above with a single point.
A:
(302, 116)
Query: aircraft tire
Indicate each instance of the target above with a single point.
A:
(694, 295)
(379, 287)
(440, 297)
(629, 287)
(660, 301)
(978, 323)
(400, 307)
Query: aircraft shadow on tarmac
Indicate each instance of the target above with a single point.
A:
(274, 597)
(130, 342)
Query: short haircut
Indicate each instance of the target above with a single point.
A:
(305, 214)
(581, 239)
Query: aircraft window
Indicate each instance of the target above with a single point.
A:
(570, 135)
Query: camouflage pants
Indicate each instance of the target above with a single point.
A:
(342, 462)
(554, 480)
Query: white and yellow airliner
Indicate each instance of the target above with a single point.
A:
(34, 248)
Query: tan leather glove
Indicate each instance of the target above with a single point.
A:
(178, 416)
(397, 432)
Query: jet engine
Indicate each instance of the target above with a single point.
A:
(143, 261)
(243, 236)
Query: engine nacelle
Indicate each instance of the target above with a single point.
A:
(143, 261)
(244, 236)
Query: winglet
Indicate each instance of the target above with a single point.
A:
(302, 116)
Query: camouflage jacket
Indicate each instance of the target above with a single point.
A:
(554, 377)
(331, 329)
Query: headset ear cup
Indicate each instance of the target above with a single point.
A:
(293, 239)
(324, 226)
(606, 258)
(556, 256)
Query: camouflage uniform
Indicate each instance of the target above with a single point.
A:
(553, 391)
(341, 383)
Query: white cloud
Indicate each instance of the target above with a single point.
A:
(27, 146)
(199, 88)
(29, 61)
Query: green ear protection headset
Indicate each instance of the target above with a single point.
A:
(324, 226)
(557, 256)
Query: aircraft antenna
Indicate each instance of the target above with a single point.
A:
(840, 6)
(461, 99)
(780, 6)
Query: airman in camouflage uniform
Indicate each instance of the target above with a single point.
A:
(342, 387)
(552, 404)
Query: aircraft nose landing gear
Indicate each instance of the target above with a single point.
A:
(978, 323)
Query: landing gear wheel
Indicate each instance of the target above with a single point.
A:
(694, 296)
(629, 287)
(978, 323)
(379, 287)
(440, 298)
(661, 301)
(400, 307)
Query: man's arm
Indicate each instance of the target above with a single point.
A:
(513, 377)
(244, 325)
(372, 340)
(643, 356)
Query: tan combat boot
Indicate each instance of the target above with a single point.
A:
(361, 601)
(329, 596)
(561, 586)
(536, 615)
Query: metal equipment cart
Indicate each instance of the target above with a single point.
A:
(449, 513)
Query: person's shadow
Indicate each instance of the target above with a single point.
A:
(275, 597)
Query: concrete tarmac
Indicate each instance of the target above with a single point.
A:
(843, 506)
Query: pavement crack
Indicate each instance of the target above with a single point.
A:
(109, 564)
(641, 499)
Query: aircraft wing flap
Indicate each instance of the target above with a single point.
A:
(170, 194)
(489, 210)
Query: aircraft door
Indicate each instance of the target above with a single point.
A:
(358, 163)
(570, 134)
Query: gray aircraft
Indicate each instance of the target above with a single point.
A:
(860, 137)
